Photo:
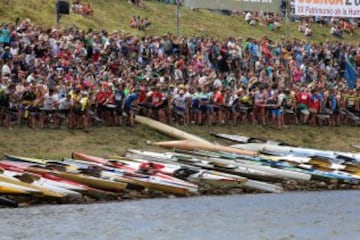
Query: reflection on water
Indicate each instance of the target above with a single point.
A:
(312, 215)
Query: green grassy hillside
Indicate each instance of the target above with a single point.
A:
(115, 14)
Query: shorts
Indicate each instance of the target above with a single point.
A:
(63, 111)
(259, 108)
(128, 109)
(204, 108)
(313, 110)
(302, 108)
(180, 111)
(276, 112)
(195, 110)
(210, 107)
(217, 108)
(159, 107)
(119, 111)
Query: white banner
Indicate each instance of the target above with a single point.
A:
(336, 8)
(243, 5)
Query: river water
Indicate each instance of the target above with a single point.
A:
(294, 215)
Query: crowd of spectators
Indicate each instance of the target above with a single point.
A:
(76, 78)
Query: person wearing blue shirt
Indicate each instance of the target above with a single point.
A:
(5, 35)
(128, 105)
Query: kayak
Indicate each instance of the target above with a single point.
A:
(12, 189)
(35, 189)
(205, 164)
(8, 202)
(91, 181)
(191, 145)
(44, 173)
(47, 173)
(336, 157)
(133, 179)
(38, 181)
(132, 167)
(194, 174)
(168, 130)
(245, 139)
(249, 183)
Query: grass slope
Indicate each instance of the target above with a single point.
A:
(56, 144)
(115, 14)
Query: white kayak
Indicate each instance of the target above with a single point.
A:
(38, 181)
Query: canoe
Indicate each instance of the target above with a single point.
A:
(191, 145)
(8, 202)
(168, 130)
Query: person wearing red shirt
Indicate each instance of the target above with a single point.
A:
(218, 103)
(302, 107)
(314, 105)
(142, 100)
(157, 103)
(105, 103)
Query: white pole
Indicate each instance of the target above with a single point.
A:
(288, 2)
(177, 18)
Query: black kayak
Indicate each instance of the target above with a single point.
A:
(8, 202)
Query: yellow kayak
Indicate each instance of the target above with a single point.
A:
(93, 181)
(11, 190)
(36, 189)
(156, 186)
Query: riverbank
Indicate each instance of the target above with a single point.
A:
(204, 190)
(103, 141)
(109, 141)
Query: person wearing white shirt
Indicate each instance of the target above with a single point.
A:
(63, 111)
(47, 112)
(6, 71)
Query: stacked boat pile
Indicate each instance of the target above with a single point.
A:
(191, 168)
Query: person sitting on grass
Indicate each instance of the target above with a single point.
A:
(250, 19)
(336, 32)
(308, 31)
(348, 28)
